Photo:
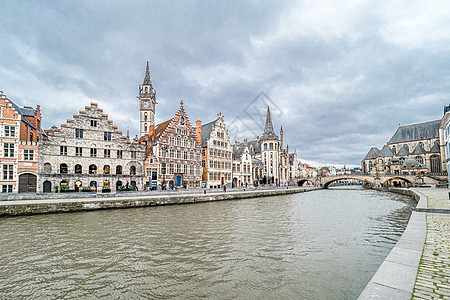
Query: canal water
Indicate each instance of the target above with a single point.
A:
(318, 245)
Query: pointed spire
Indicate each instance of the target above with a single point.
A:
(269, 133)
(128, 133)
(147, 75)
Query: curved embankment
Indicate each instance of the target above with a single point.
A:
(69, 204)
(396, 276)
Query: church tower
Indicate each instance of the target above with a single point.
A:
(147, 103)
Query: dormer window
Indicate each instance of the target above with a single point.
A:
(182, 120)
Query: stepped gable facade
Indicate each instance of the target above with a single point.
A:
(216, 153)
(175, 148)
(89, 152)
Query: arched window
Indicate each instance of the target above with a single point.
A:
(145, 127)
(63, 169)
(47, 168)
(132, 170)
(106, 169)
(119, 170)
(92, 169)
(145, 116)
(406, 147)
(78, 169)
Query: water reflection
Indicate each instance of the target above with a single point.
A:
(318, 245)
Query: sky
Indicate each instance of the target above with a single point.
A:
(339, 76)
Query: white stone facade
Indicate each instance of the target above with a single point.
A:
(216, 153)
(89, 151)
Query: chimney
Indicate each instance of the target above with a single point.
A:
(151, 134)
(198, 130)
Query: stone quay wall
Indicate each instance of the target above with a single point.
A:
(69, 204)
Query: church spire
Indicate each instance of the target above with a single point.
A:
(147, 76)
(269, 133)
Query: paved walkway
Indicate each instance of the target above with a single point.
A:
(433, 276)
(418, 267)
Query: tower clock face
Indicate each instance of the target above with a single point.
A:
(146, 104)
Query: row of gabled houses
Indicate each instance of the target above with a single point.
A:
(90, 153)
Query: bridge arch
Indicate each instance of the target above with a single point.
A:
(327, 183)
(301, 182)
(394, 181)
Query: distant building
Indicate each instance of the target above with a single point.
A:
(242, 165)
(420, 142)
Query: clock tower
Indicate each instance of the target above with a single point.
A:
(147, 102)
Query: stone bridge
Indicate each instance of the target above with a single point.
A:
(376, 180)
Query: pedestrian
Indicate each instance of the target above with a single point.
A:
(224, 188)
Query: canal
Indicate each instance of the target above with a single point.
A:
(324, 244)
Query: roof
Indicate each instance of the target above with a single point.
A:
(373, 153)
(414, 132)
(435, 148)
(419, 149)
(255, 144)
(412, 164)
(206, 131)
(24, 112)
(403, 151)
(386, 152)
(256, 161)
(29, 112)
(161, 127)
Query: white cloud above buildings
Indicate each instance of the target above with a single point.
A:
(343, 73)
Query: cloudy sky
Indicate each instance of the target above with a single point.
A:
(339, 75)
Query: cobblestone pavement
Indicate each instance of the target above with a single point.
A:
(437, 197)
(433, 276)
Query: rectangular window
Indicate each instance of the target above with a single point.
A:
(28, 154)
(119, 154)
(93, 152)
(93, 123)
(79, 133)
(8, 150)
(78, 151)
(154, 174)
(8, 172)
(107, 136)
(133, 154)
(107, 153)
(10, 131)
(7, 188)
(63, 150)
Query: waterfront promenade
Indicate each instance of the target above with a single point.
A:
(418, 267)
(56, 203)
(433, 276)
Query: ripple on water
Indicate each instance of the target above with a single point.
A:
(324, 244)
